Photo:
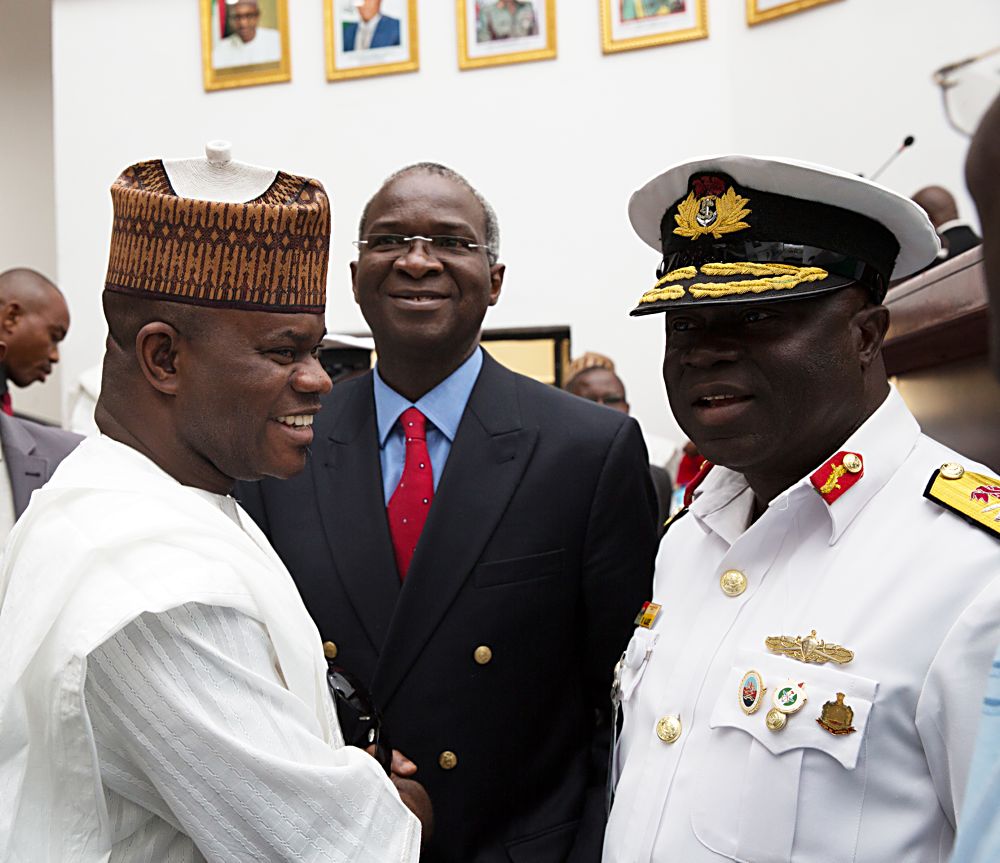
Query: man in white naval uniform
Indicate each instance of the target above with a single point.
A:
(163, 693)
(805, 685)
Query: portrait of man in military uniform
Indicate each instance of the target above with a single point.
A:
(505, 19)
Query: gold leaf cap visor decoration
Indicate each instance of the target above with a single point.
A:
(734, 229)
(269, 254)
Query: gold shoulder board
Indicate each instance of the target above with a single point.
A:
(972, 496)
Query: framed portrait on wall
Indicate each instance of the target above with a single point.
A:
(244, 42)
(498, 32)
(759, 11)
(370, 37)
(630, 24)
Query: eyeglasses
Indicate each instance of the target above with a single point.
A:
(968, 87)
(356, 710)
(441, 247)
(244, 16)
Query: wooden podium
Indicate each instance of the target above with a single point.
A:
(936, 353)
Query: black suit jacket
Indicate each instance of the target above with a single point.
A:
(539, 545)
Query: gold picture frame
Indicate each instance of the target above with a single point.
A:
(476, 19)
(394, 45)
(220, 54)
(627, 26)
(760, 11)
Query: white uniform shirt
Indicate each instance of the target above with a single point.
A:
(231, 52)
(908, 586)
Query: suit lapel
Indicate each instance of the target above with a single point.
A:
(348, 483)
(26, 470)
(490, 452)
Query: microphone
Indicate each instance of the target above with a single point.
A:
(907, 142)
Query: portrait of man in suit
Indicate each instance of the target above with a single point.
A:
(473, 545)
(372, 30)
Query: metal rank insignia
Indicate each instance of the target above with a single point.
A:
(837, 475)
(808, 648)
(973, 496)
(836, 717)
(787, 699)
(647, 615)
(752, 691)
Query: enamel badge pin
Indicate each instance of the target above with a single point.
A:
(752, 691)
(787, 699)
(836, 717)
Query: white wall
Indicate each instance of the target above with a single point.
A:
(27, 199)
(557, 146)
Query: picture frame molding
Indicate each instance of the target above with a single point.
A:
(244, 76)
(395, 68)
(465, 62)
(609, 45)
(792, 7)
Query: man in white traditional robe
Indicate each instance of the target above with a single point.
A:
(248, 44)
(163, 693)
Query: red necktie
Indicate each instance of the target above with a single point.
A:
(411, 501)
(5, 404)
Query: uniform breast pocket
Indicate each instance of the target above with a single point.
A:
(792, 792)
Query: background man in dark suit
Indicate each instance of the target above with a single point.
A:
(481, 571)
(956, 234)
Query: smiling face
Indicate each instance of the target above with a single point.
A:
(32, 330)
(418, 302)
(244, 17)
(772, 388)
(368, 9)
(250, 385)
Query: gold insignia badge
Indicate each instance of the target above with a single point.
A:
(836, 717)
(711, 208)
(808, 648)
(973, 496)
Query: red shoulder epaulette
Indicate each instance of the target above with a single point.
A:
(706, 466)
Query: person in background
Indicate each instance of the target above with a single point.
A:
(473, 544)
(978, 838)
(34, 319)
(592, 377)
(956, 234)
(165, 696)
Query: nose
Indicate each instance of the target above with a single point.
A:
(711, 350)
(418, 261)
(54, 354)
(312, 378)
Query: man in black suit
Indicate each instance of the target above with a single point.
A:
(956, 235)
(532, 541)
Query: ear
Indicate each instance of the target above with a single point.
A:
(496, 282)
(11, 314)
(870, 326)
(354, 280)
(156, 346)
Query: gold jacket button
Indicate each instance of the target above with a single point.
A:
(448, 760)
(733, 582)
(668, 728)
(853, 463)
(482, 654)
(952, 470)
(329, 650)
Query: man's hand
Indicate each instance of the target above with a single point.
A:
(411, 792)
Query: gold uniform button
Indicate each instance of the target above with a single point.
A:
(329, 650)
(952, 470)
(448, 760)
(733, 582)
(482, 655)
(853, 463)
(668, 728)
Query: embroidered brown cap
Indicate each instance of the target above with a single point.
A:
(269, 254)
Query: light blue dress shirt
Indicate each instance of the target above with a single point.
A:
(978, 839)
(443, 406)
